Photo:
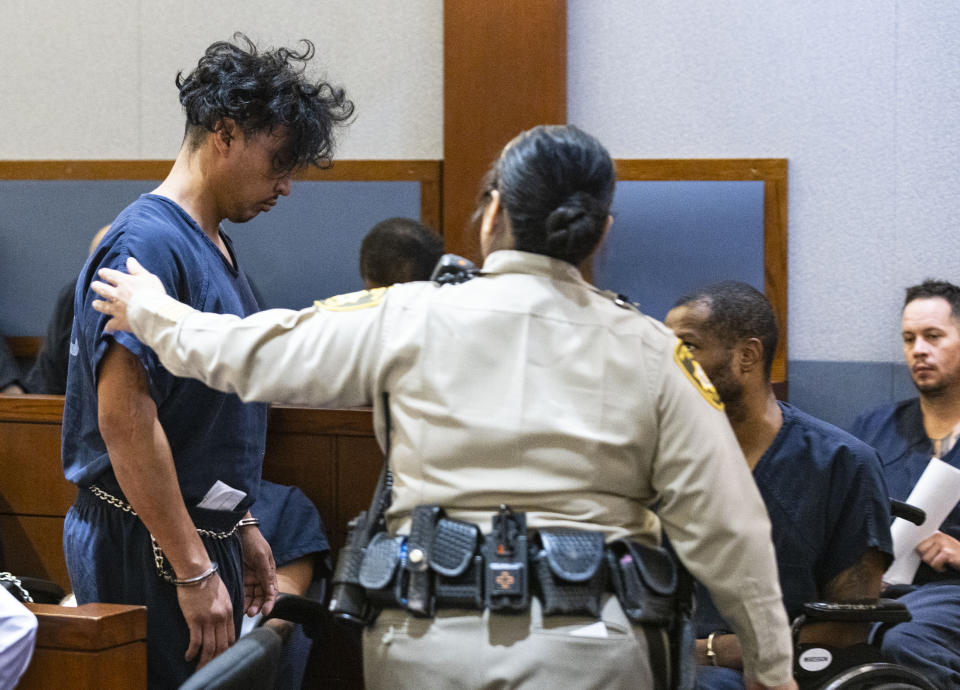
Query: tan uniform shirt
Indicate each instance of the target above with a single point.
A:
(523, 386)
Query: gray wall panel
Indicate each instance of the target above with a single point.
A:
(670, 237)
(305, 248)
(838, 391)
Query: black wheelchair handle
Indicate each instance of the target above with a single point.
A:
(908, 512)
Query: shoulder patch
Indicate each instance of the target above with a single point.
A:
(698, 377)
(362, 299)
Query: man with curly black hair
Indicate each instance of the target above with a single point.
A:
(167, 468)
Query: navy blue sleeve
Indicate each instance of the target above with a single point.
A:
(859, 511)
(289, 522)
(49, 372)
(859, 428)
(158, 253)
(864, 426)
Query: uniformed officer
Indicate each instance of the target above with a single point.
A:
(524, 387)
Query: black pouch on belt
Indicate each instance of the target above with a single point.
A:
(571, 571)
(381, 572)
(457, 565)
(419, 595)
(645, 581)
(348, 598)
(505, 552)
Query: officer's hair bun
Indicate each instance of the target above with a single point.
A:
(574, 227)
(556, 185)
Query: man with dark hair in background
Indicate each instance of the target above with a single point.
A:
(167, 467)
(907, 435)
(48, 374)
(9, 371)
(398, 250)
(823, 489)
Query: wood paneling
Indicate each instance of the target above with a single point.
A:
(117, 668)
(35, 409)
(330, 454)
(426, 172)
(33, 547)
(24, 346)
(504, 71)
(22, 492)
(773, 173)
(90, 627)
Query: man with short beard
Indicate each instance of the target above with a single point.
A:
(907, 435)
(828, 506)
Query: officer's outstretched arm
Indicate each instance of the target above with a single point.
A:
(714, 515)
(323, 355)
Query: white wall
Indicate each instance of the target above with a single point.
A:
(94, 78)
(861, 96)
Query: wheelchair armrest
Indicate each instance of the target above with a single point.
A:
(861, 610)
(908, 512)
(309, 613)
(297, 609)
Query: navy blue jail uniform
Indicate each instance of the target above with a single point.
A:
(291, 525)
(828, 504)
(213, 436)
(930, 642)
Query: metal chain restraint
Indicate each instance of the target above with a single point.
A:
(159, 560)
(10, 577)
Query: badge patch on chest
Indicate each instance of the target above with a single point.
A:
(696, 374)
(353, 300)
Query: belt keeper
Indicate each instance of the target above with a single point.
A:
(248, 522)
(711, 652)
(193, 581)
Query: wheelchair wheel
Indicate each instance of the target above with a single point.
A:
(878, 676)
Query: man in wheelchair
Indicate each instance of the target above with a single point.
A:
(823, 488)
(907, 434)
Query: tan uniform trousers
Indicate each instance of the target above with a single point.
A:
(470, 649)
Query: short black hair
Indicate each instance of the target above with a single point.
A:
(936, 288)
(398, 250)
(738, 311)
(556, 184)
(260, 91)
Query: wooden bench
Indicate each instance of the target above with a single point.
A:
(330, 454)
(102, 646)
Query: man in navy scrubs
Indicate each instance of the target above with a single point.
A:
(828, 505)
(907, 435)
(168, 468)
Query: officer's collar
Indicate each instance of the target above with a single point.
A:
(513, 261)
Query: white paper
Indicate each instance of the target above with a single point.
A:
(222, 496)
(936, 492)
(598, 629)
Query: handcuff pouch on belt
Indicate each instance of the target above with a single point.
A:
(570, 571)
(381, 571)
(436, 565)
(645, 581)
(457, 566)
(447, 563)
